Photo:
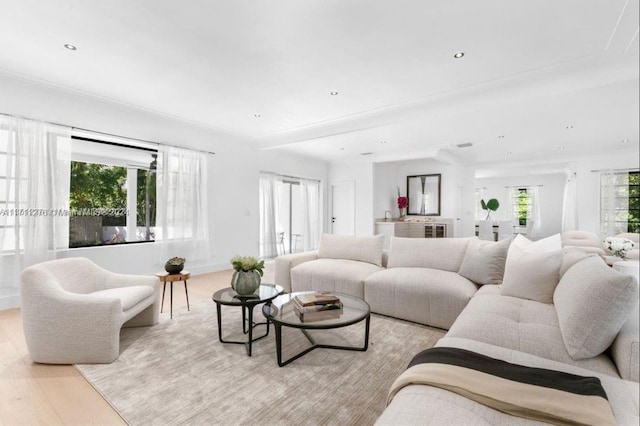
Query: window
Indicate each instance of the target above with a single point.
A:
(619, 202)
(112, 194)
(523, 205)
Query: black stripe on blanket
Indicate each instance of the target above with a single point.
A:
(559, 380)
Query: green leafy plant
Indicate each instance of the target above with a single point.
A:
(247, 263)
(491, 206)
(176, 261)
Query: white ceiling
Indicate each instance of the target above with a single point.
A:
(531, 68)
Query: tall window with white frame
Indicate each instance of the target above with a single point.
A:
(619, 202)
(112, 194)
(523, 205)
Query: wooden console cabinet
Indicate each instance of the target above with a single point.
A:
(440, 228)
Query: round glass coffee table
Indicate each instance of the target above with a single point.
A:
(227, 296)
(280, 312)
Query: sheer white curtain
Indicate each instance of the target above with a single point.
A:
(311, 204)
(34, 195)
(512, 204)
(268, 216)
(569, 207)
(182, 222)
(614, 202)
(479, 194)
(534, 195)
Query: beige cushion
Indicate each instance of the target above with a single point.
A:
(128, 296)
(521, 325)
(532, 268)
(445, 254)
(427, 296)
(341, 275)
(571, 256)
(363, 249)
(593, 302)
(484, 261)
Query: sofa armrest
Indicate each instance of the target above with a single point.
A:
(285, 263)
(624, 349)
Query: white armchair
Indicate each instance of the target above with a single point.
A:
(72, 310)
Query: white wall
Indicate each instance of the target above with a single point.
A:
(233, 171)
(456, 186)
(551, 197)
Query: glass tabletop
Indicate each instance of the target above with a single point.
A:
(281, 310)
(264, 293)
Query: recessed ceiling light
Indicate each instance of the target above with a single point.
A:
(70, 47)
(625, 140)
(509, 152)
(501, 137)
(341, 149)
(569, 127)
(561, 147)
(383, 142)
(334, 93)
(257, 115)
(458, 55)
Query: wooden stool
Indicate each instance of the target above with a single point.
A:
(166, 277)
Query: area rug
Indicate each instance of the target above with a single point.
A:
(177, 372)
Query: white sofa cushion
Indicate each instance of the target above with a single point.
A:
(341, 275)
(484, 261)
(521, 325)
(363, 249)
(532, 268)
(445, 254)
(128, 296)
(593, 301)
(427, 296)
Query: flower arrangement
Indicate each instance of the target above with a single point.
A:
(403, 202)
(247, 263)
(618, 246)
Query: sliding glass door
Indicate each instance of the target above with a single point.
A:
(289, 215)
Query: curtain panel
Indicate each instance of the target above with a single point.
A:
(35, 164)
(182, 222)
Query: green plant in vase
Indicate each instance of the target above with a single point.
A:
(248, 273)
(490, 206)
(175, 265)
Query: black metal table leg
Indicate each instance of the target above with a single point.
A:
(314, 345)
(247, 329)
(171, 300)
(164, 287)
(186, 292)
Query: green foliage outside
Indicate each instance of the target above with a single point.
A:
(522, 205)
(143, 175)
(633, 220)
(97, 186)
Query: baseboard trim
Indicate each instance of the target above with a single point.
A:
(9, 302)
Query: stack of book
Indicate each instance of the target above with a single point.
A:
(317, 307)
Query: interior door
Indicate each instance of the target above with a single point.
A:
(343, 208)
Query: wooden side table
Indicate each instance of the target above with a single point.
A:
(166, 277)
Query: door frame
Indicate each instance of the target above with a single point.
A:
(352, 188)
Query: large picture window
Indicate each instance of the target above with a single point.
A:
(619, 202)
(112, 196)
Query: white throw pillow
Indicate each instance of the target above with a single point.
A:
(484, 261)
(593, 302)
(363, 249)
(532, 268)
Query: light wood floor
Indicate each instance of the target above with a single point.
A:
(39, 394)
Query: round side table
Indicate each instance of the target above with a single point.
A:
(166, 277)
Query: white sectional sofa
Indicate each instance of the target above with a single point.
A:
(563, 310)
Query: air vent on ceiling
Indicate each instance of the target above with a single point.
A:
(366, 153)
(464, 145)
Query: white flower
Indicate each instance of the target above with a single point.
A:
(618, 246)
